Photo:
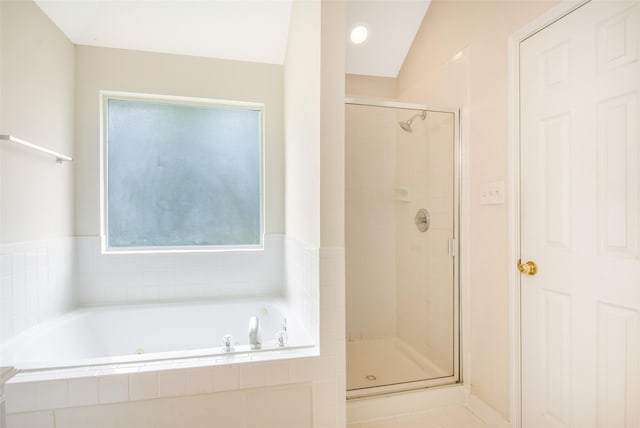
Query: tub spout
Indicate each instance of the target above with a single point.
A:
(255, 335)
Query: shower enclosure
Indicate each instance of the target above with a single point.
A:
(401, 246)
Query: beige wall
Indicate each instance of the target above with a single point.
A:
(37, 105)
(459, 58)
(36, 193)
(332, 393)
(332, 125)
(134, 71)
(302, 125)
(370, 86)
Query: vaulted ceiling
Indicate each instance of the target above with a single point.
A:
(244, 30)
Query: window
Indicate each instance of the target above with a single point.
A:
(181, 173)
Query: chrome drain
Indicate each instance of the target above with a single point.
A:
(370, 377)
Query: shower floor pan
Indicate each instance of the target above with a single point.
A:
(388, 365)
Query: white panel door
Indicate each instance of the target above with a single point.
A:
(580, 160)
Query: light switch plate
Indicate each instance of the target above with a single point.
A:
(492, 193)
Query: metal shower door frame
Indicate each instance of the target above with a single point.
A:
(457, 325)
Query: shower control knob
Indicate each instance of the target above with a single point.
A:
(422, 220)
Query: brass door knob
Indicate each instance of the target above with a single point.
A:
(528, 268)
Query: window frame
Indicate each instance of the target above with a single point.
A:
(105, 96)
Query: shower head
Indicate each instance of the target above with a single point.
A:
(407, 125)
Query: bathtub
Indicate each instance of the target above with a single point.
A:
(133, 334)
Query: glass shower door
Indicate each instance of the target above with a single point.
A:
(400, 239)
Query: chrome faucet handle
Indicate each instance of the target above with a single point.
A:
(282, 336)
(284, 325)
(226, 343)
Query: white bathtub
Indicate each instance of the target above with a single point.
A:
(142, 333)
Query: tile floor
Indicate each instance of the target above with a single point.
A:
(446, 417)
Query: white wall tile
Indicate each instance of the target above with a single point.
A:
(225, 378)
(199, 380)
(6, 306)
(31, 289)
(53, 394)
(84, 391)
(227, 381)
(172, 383)
(301, 370)
(114, 388)
(332, 267)
(331, 322)
(21, 397)
(31, 420)
(19, 294)
(81, 417)
(279, 407)
(301, 281)
(212, 410)
(143, 386)
(117, 278)
(276, 372)
(325, 404)
(251, 375)
(45, 308)
(200, 411)
(36, 284)
(5, 263)
(324, 368)
(329, 345)
(18, 263)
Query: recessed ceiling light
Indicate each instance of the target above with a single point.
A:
(359, 34)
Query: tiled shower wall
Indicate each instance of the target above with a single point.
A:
(370, 218)
(36, 283)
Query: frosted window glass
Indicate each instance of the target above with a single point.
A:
(182, 175)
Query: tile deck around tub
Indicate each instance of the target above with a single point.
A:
(446, 417)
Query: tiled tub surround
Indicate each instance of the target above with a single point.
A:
(126, 278)
(161, 332)
(227, 394)
(296, 388)
(301, 264)
(286, 267)
(36, 283)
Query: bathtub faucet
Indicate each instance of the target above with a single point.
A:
(282, 336)
(255, 335)
(226, 343)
